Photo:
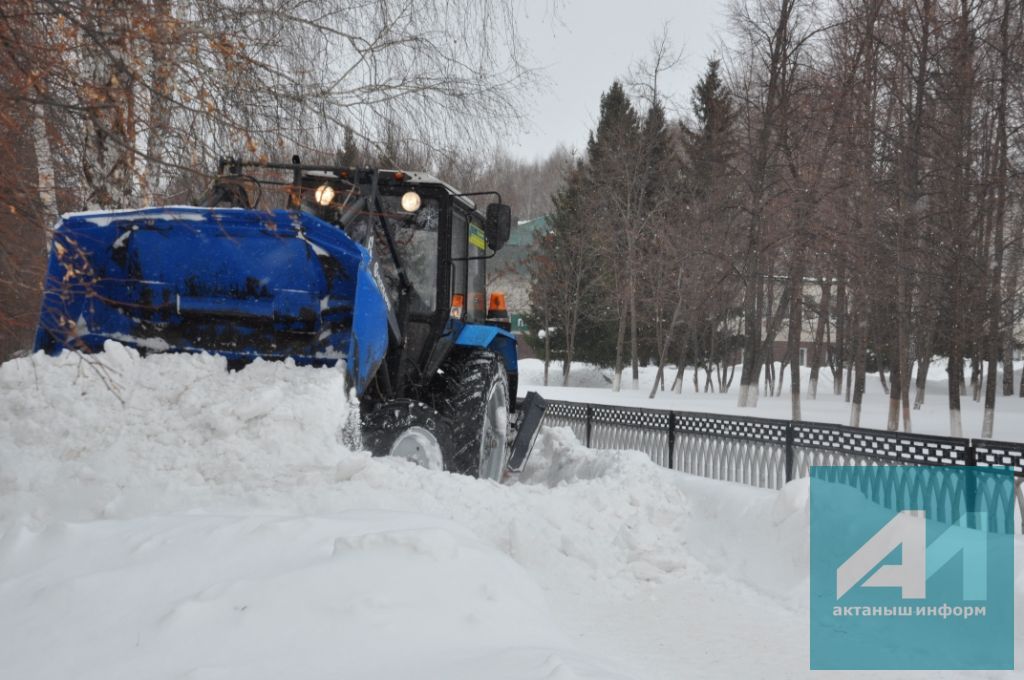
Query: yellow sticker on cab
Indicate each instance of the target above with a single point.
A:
(476, 237)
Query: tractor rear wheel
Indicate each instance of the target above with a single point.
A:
(408, 429)
(475, 402)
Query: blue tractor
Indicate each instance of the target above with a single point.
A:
(381, 272)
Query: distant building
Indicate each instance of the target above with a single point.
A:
(809, 325)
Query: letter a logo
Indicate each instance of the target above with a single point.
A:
(906, 529)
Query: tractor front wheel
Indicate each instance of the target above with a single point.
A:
(408, 429)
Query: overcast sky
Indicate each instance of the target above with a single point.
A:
(588, 43)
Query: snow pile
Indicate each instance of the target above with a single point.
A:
(130, 437)
(163, 517)
(531, 372)
(608, 521)
(757, 537)
(115, 436)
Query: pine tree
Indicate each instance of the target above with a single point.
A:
(708, 186)
(617, 128)
(664, 236)
(565, 275)
(710, 145)
(616, 182)
(348, 154)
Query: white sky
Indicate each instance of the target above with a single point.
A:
(582, 45)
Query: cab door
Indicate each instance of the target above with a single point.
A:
(470, 270)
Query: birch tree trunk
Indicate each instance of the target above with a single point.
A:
(924, 364)
(547, 346)
(677, 384)
(161, 82)
(819, 337)
(751, 343)
(954, 369)
(1011, 303)
(859, 370)
(841, 339)
(995, 339)
(795, 327)
(44, 164)
(633, 352)
(668, 335)
(620, 341)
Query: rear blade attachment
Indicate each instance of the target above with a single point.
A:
(531, 413)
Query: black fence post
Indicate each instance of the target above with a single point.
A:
(971, 485)
(590, 421)
(789, 451)
(671, 440)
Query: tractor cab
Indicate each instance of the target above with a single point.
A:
(430, 246)
(430, 222)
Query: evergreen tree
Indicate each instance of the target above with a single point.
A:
(662, 166)
(617, 129)
(664, 238)
(707, 188)
(616, 183)
(348, 154)
(710, 145)
(565, 278)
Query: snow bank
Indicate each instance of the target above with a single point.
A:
(163, 517)
(116, 436)
(531, 372)
(141, 499)
(130, 437)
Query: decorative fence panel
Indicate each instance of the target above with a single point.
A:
(768, 453)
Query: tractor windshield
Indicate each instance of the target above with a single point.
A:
(415, 237)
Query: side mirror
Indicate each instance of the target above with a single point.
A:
(499, 225)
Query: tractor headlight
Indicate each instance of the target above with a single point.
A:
(324, 194)
(411, 201)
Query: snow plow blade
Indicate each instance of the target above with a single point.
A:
(245, 284)
(531, 413)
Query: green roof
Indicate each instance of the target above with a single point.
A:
(524, 233)
(517, 249)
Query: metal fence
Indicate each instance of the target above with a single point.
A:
(768, 453)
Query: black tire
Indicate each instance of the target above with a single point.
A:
(412, 427)
(474, 400)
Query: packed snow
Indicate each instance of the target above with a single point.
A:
(166, 518)
(104, 218)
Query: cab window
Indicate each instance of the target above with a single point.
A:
(415, 237)
(476, 301)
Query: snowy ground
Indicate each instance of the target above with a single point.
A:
(589, 383)
(163, 518)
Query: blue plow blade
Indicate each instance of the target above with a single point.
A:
(239, 283)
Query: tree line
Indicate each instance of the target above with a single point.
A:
(847, 172)
(108, 104)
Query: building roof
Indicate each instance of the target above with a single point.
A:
(524, 233)
(513, 256)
